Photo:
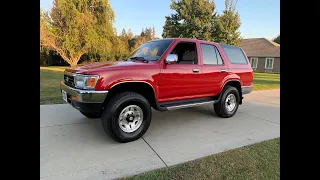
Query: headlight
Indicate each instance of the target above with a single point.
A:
(85, 81)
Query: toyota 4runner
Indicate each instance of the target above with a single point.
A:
(164, 74)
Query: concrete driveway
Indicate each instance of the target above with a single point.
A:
(75, 147)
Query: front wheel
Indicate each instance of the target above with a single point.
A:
(229, 102)
(126, 117)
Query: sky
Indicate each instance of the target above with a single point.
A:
(259, 18)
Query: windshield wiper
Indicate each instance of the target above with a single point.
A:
(138, 58)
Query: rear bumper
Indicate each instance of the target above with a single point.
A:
(84, 100)
(246, 89)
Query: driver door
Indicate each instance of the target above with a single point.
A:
(181, 80)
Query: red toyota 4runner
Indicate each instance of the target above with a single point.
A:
(164, 74)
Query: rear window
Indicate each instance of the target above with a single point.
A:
(234, 54)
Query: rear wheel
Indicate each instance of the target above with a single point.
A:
(229, 102)
(126, 116)
(91, 115)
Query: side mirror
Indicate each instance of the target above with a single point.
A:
(171, 58)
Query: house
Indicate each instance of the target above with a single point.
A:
(264, 54)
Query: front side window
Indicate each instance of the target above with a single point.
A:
(269, 63)
(151, 50)
(186, 52)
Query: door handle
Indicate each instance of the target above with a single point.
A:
(195, 70)
(223, 71)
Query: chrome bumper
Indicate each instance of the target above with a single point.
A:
(246, 89)
(84, 96)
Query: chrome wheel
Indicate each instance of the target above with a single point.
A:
(130, 118)
(230, 102)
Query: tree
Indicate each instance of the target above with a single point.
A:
(130, 34)
(226, 26)
(142, 32)
(44, 53)
(119, 49)
(146, 34)
(153, 33)
(277, 39)
(76, 27)
(139, 41)
(191, 20)
(124, 44)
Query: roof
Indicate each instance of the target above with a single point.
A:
(260, 47)
(191, 40)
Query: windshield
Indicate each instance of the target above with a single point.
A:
(151, 50)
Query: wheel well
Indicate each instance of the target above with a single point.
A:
(237, 85)
(142, 88)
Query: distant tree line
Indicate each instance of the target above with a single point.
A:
(80, 31)
(127, 43)
(277, 39)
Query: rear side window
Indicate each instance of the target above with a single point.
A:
(210, 55)
(234, 54)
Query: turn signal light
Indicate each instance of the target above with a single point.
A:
(74, 98)
(91, 81)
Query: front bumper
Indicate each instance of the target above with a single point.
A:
(84, 100)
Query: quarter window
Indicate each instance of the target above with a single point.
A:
(234, 54)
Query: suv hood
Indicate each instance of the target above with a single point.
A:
(106, 65)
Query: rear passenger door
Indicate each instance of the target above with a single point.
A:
(213, 67)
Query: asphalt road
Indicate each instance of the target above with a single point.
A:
(75, 147)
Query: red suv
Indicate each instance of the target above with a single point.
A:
(164, 74)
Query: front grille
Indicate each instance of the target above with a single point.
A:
(68, 80)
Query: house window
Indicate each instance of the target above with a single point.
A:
(254, 62)
(269, 63)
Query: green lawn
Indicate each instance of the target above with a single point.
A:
(50, 79)
(258, 161)
(263, 81)
(50, 87)
(60, 67)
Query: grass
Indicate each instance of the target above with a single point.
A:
(59, 67)
(264, 81)
(51, 76)
(54, 68)
(258, 161)
(50, 87)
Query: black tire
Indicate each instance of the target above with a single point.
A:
(113, 109)
(220, 108)
(91, 115)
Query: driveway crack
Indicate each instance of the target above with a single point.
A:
(259, 118)
(156, 153)
(49, 126)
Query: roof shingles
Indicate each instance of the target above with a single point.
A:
(260, 47)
